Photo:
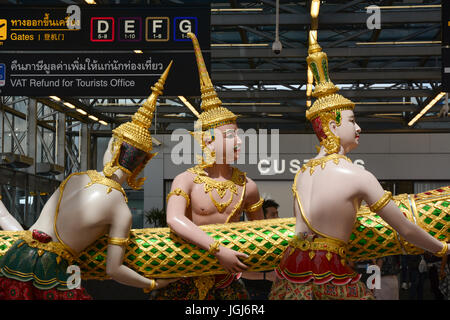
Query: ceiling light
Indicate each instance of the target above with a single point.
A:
(55, 98)
(398, 42)
(103, 122)
(239, 45)
(253, 103)
(274, 114)
(385, 102)
(426, 108)
(189, 105)
(387, 114)
(129, 104)
(236, 9)
(93, 117)
(68, 104)
(174, 115)
(315, 6)
(82, 111)
(138, 51)
(90, 1)
(424, 6)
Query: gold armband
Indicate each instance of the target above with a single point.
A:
(118, 241)
(151, 287)
(179, 192)
(443, 251)
(380, 204)
(255, 207)
(214, 247)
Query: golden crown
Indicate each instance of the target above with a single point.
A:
(213, 115)
(136, 131)
(325, 90)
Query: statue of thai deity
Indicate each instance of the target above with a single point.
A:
(328, 192)
(212, 192)
(86, 206)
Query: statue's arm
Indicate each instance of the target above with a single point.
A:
(372, 191)
(120, 225)
(7, 221)
(253, 201)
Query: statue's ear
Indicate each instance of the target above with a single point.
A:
(333, 127)
(208, 137)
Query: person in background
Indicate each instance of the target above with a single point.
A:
(416, 276)
(258, 284)
(404, 277)
(390, 268)
(444, 278)
(434, 264)
(270, 209)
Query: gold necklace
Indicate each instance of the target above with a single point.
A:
(110, 183)
(322, 162)
(221, 187)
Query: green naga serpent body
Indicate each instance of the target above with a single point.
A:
(159, 253)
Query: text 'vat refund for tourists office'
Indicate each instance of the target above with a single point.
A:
(67, 83)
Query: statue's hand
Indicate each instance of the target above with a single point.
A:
(229, 259)
(161, 283)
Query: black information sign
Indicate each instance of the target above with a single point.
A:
(101, 74)
(74, 27)
(84, 51)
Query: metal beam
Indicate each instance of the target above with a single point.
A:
(334, 9)
(257, 109)
(89, 110)
(300, 21)
(84, 147)
(341, 77)
(32, 134)
(61, 142)
(301, 94)
(372, 52)
(284, 7)
(347, 38)
(267, 36)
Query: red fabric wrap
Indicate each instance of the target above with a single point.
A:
(297, 266)
(224, 280)
(11, 289)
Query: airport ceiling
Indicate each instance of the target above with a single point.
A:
(390, 73)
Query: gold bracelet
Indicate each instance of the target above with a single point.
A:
(179, 192)
(443, 251)
(214, 247)
(151, 287)
(118, 241)
(255, 207)
(380, 204)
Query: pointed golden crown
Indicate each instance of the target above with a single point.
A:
(325, 90)
(213, 115)
(135, 132)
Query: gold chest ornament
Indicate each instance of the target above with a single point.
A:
(221, 187)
